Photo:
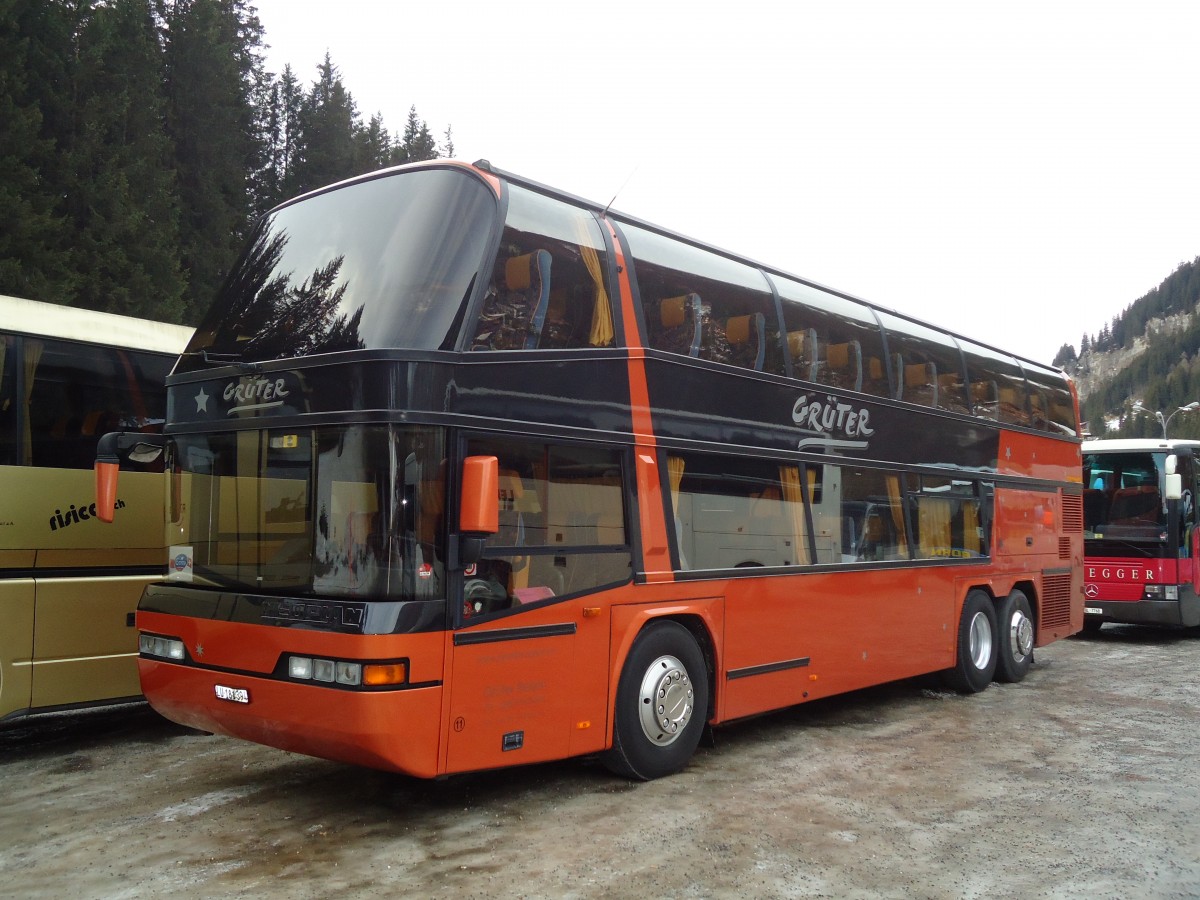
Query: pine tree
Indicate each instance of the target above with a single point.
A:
(213, 64)
(280, 106)
(374, 145)
(417, 144)
(121, 190)
(1065, 355)
(327, 121)
(35, 239)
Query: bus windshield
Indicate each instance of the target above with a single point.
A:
(346, 511)
(383, 263)
(1123, 498)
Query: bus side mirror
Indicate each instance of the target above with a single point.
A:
(138, 447)
(1174, 487)
(479, 506)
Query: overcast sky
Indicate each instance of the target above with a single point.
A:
(1018, 172)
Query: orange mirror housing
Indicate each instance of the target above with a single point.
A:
(479, 506)
(106, 489)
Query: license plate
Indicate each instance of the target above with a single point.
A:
(232, 694)
(1093, 611)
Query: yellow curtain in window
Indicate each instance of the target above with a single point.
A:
(675, 474)
(970, 510)
(33, 356)
(896, 499)
(789, 480)
(933, 527)
(601, 334)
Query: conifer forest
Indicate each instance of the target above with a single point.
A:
(141, 139)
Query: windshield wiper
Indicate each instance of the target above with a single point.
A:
(225, 359)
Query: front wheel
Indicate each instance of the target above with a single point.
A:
(1014, 644)
(975, 662)
(662, 703)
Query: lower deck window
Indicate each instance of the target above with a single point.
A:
(562, 526)
(734, 512)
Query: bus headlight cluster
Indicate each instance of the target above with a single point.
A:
(154, 645)
(353, 674)
(1161, 592)
(330, 671)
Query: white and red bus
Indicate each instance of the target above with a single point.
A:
(466, 472)
(1141, 543)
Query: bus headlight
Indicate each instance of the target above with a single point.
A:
(338, 671)
(1161, 592)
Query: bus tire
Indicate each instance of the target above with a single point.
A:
(1014, 637)
(975, 660)
(662, 704)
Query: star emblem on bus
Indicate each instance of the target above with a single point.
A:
(202, 401)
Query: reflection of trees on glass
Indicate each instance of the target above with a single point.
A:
(273, 317)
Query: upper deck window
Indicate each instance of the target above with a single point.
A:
(388, 262)
(927, 365)
(998, 388)
(548, 284)
(832, 340)
(1050, 401)
(700, 304)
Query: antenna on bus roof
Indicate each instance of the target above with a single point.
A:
(621, 188)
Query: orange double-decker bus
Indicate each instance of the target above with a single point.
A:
(466, 472)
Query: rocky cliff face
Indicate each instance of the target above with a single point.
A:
(1094, 369)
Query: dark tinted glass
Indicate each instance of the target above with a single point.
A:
(384, 263)
(701, 304)
(78, 393)
(832, 340)
(926, 365)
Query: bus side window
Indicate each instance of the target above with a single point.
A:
(747, 340)
(680, 322)
(562, 526)
(842, 366)
(515, 309)
(802, 346)
(984, 400)
(9, 405)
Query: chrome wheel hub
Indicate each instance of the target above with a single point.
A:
(980, 641)
(665, 701)
(1020, 635)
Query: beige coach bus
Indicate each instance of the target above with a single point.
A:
(68, 583)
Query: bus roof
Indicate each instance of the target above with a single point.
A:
(1120, 445)
(33, 317)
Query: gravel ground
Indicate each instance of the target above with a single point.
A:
(1079, 782)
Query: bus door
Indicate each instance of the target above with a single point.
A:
(527, 672)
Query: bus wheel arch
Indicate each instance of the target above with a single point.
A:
(975, 654)
(1015, 635)
(668, 667)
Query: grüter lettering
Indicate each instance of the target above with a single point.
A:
(830, 415)
(261, 390)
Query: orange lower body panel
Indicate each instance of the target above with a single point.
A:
(392, 730)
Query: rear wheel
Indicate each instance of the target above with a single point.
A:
(975, 663)
(662, 703)
(1014, 644)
